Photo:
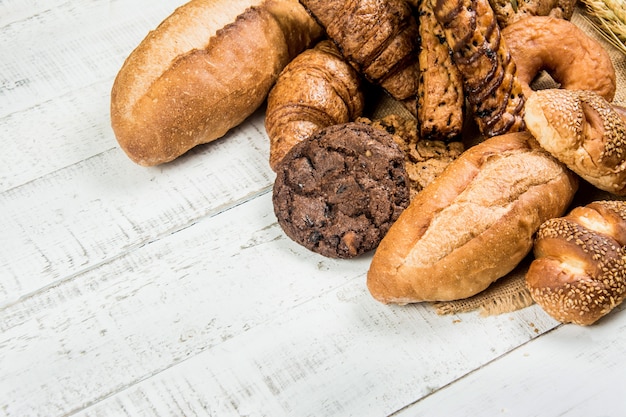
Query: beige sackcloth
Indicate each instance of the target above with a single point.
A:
(509, 293)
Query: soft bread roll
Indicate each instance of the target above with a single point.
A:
(582, 130)
(473, 224)
(579, 271)
(202, 71)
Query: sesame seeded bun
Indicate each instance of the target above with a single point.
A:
(583, 131)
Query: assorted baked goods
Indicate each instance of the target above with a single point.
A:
(482, 56)
(473, 224)
(424, 159)
(316, 90)
(338, 192)
(446, 214)
(571, 57)
(579, 271)
(203, 71)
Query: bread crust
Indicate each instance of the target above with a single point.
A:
(378, 37)
(482, 56)
(203, 71)
(473, 224)
(440, 99)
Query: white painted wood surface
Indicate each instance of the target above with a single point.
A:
(172, 291)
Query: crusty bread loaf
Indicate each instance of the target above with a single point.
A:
(473, 224)
(584, 131)
(202, 71)
(579, 271)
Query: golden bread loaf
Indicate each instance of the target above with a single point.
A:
(584, 131)
(202, 71)
(579, 271)
(473, 224)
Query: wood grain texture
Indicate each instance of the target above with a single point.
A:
(299, 338)
(572, 371)
(172, 291)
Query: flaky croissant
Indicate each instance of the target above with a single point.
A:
(579, 271)
(316, 90)
(378, 37)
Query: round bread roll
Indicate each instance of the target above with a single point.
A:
(582, 130)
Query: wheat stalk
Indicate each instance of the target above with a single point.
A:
(609, 17)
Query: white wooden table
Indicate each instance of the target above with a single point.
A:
(172, 291)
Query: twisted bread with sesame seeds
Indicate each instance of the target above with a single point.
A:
(579, 272)
(571, 57)
(584, 131)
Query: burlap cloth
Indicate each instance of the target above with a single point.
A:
(510, 293)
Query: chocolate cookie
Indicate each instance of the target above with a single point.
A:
(338, 192)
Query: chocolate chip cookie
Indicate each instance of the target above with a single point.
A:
(338, 192)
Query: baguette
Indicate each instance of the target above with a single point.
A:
(473, 224)
(202, 71)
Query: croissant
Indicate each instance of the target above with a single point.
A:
(489, 73)
(579, 271)
(316, 90)
(378, 37)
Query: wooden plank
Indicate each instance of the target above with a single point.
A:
(48, 60)
(83, 215)
(55, 92)
(67, 130)
(230, 314)
(572, 371)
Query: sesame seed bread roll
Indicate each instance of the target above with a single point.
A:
(579, 272)
(202, 71)
(582, 130)
(473, 224)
